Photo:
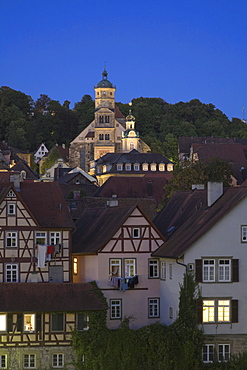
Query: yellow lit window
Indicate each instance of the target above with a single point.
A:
(208, 311)
(224, 310)
(75, 265)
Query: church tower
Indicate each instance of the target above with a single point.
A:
(105, 123)
(130, 137)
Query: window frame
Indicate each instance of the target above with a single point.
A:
(56, 360)
(153, 268)
(32, 322)
(13, 237)
(5, 365)
(128, 266)
(145, 167)
(136, 167)
(56, 237)
(127, 166)
(116, 309)
(153, 308)
(224, 266)
(115, 262)
(84, 320)
(31, 358)
(11, 271)
(11, 209)
(136, 232)
(224, 351)
(217, 310)
(243, 234)
(55, 326)
(208, 268)
(4, 328)
(163, 270)
(208, 353)
(153, 167)
(39, 237)
(161, 167)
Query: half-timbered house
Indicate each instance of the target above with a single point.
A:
(39, 304)
(113, 246)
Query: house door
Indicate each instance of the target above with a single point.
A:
(56, 274)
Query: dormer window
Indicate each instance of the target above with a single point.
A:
(145, 167)
(136, 167)
(119, 167)
(128, 167)
(170, 167)
(161, 167)
(153, 167)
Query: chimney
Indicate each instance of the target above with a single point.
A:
(215, 190)
(15, 178)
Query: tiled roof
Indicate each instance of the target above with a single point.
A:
(133, 157)
(134, 187)
(118, 113)
(96, 226)
(191, 218)
(185, 142)
(48, 297)
(46, 202)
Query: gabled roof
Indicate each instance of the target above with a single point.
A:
(134, 187)
(185, 142)
(49, 297)
(191, 218)
(96, 226)
(21, 165)
(46, 203)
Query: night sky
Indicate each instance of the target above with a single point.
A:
(176, 50)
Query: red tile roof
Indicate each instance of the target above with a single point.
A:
(46, 203)
(49, 297)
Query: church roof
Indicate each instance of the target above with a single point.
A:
(104, 82)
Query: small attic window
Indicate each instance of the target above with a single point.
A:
(119, 167)
(153, 167)
(145, 167)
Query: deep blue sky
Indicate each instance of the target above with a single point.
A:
(176, 50)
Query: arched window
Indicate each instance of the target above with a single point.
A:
(132, 145)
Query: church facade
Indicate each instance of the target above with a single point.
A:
(109, 132)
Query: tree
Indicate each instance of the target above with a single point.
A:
(50, 160)
(42, 103)
(189, 173)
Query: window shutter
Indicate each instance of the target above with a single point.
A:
(19, 326)
(235, 270)
(38, 322)
(234, 304)
(9, 322)
(198, 271)
(199, 311)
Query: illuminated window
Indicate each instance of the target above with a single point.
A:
(145, 167)
(29, 361)
(115, 309)
(223, 310)
(3, 361)
(57, 360)
(29, 322)
(115, 267)
(129, 267)
(75, 265)
(208, 313)
(208, 270)
(224, 270)
(132, 145)
(11, 239)
(3, 322)
(153, 307)
(170, 167)
(224, 352)
(11, 273)
(11, 209)
(153, 167)
(208, 353)
(161, 167)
